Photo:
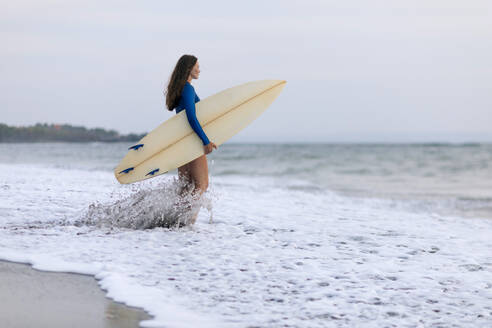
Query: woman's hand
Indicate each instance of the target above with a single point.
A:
(209, 147)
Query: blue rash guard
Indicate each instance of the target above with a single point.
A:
(187, 102)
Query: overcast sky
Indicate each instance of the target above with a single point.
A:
(362, 71)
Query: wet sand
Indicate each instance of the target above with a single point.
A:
(33, 298)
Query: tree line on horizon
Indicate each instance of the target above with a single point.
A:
(43, 132)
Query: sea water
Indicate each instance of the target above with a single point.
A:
(288, 235)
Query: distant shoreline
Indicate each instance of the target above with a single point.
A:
(43, 132)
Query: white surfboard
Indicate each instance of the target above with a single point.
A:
(174, 143)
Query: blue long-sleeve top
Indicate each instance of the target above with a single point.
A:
(187, 102)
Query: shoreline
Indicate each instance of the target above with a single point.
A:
(37, 298)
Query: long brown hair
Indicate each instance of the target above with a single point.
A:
(178, 80)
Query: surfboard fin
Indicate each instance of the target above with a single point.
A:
(152, 172)
(127, 170)
(135, 147)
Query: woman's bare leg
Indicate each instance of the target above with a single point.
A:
(198, 169)
(184, 176)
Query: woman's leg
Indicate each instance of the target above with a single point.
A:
(199, 173)
(198, 169)
(185, 180)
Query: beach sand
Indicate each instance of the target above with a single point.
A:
(33, 298)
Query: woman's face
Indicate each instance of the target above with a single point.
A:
(195, 71)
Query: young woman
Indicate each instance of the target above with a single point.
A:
(180, 95)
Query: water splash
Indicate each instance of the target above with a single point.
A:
(171, 204)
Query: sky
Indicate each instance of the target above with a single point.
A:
(356, 71)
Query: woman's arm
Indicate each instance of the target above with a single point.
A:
(189, 95)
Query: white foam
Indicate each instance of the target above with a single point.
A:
(273, 256)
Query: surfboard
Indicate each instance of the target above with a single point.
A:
(174, 143)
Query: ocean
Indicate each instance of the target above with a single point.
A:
(290, 235)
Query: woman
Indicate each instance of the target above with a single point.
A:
(180, 95)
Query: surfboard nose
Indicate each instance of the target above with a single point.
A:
(276, 82)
